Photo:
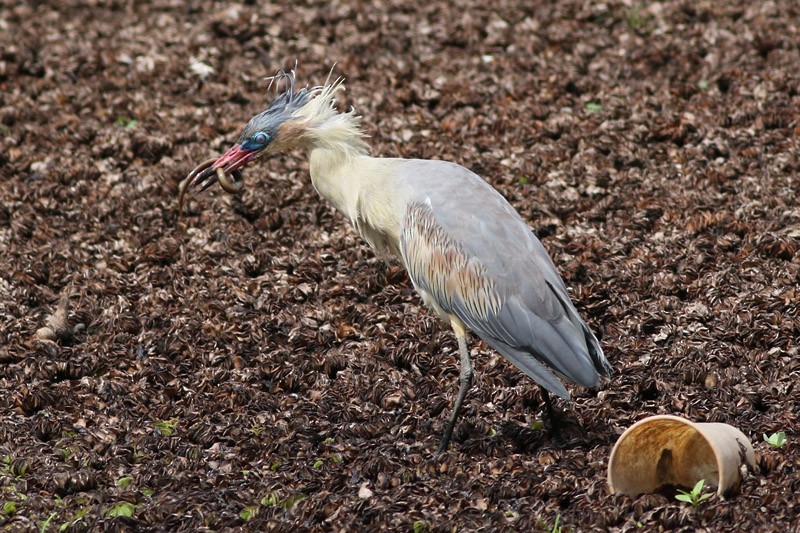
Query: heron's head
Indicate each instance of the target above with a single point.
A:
(304, 117)
(279, 128)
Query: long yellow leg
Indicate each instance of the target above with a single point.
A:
(465, 378)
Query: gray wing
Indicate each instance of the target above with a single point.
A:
(465, 247)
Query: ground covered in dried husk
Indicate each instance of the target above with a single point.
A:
(255, 366)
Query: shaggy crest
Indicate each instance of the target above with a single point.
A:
(283, 106)
(326, 125)
(313, 110)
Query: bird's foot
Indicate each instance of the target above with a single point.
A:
(565, 432)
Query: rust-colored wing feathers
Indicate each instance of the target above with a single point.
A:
(510, 302)
(438, 264)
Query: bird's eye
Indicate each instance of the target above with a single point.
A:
(256, 141)
(260, 138)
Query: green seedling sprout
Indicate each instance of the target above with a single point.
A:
(556, 525)
(693, 496)
(776, 440)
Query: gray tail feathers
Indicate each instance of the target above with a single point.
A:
(596, 353)
(601, 364)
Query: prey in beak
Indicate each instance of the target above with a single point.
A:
(205, 175)
(227, 169)
(267, 132)
(212, 171)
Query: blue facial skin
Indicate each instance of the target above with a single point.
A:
(256, 142)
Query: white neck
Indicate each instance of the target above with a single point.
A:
(335, 175)
(344, 174)
(336, 146)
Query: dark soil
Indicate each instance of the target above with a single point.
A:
(255, 366)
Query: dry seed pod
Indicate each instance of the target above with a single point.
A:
(72, 482)
(58, 321)
(57, 325)
(45, 334)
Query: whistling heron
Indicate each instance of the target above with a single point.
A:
(469, 254)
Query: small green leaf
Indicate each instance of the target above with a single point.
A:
(125, 509)
(290, 502)
(420, 526)
(683, 498)
(275, 466)
(167, 427)
(43, 525)
(10, 508)
(634, 18)
(329, 440)
(638, 21)
(537, 424)
(125, 122)
(124, 481)
(593, 107)
(147, 491)
(776, 440)
(270, 499)
(703, 85)
(78, 515)
(249, 513)
(523, 180)
(318, 463)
